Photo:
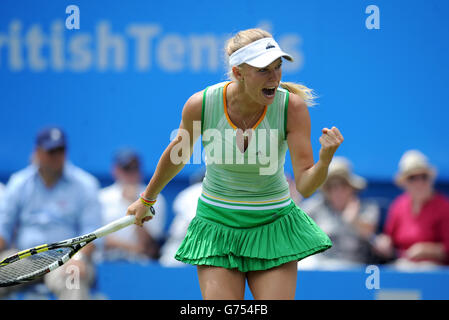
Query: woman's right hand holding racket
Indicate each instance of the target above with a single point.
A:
(141, 211)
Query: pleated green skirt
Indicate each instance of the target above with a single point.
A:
(288, 235)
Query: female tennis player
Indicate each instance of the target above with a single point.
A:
(246, 226)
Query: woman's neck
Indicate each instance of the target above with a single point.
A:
(240, 102)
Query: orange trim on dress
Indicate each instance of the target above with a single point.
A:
(226, 110)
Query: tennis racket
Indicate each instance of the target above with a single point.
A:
(30, 264)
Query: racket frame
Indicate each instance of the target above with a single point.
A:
(75, 244)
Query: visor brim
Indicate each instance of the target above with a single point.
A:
(267, 58)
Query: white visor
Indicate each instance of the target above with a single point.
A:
(258, 54)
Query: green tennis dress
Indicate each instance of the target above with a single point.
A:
(245, 216)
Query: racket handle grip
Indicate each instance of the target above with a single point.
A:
(119, 224)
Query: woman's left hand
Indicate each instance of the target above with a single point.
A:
(330, 141)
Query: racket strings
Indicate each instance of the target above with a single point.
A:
(31, 264)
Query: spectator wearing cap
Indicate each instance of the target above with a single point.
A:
(132, 243)
(49, 201)
(348, 220)
(416, 232)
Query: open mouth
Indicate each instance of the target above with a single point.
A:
(269, 92)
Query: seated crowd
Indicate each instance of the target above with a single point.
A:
(52, 199)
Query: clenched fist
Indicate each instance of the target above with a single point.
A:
(330, 141)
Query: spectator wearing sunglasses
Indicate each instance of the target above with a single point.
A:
(416, 232)
(132, 243)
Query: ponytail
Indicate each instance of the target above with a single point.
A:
(305, 93)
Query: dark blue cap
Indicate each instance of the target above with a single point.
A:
(51, 138)
(127, 159)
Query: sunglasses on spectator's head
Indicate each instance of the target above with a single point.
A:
(418, 177)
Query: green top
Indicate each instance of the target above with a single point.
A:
(249, 180)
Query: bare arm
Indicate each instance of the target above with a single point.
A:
(174, 157)
(309, 176)
(427, 250)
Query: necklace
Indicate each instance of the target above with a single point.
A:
(245, 131)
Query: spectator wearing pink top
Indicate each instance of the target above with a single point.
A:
(416, 232)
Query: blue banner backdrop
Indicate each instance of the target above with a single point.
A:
(122, 78)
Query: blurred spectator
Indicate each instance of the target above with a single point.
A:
(416, 232)
(131, 243)
(184, 208)
(49, 201)
(348, 220)
(2, 189)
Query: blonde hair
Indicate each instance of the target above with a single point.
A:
(248, 36)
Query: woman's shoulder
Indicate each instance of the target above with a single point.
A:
(192, 107)
(298, 118)
(218, 85)
(296, 103)
(197, 98)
